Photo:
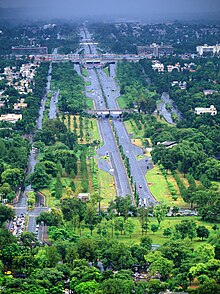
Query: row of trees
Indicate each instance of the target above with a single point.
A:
(71, 85)
(133, 87)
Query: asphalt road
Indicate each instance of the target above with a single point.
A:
(53, 105)
(138, 168)
(166, 114)
(21, 206)
(110, 147)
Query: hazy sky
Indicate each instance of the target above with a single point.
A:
(70, 8)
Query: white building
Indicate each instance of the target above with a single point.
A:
(212, 110)
(156, 65)
(11, 117)
(208, 49)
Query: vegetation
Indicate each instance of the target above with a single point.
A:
(71, 85)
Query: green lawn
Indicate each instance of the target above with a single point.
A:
(158, 187)
(87, 83)
(107, 187)
(85, 72)
(106, 70)
(89, 103)
(132, 129)
(157, 237)
(121, 102)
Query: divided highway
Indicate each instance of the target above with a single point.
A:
(101, 83)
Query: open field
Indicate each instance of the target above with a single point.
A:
(107, 188)
(157, 238)
(121, 102)
(106, 70)
(158, 187)
(85, 72)
(92, 127)
(89, 103)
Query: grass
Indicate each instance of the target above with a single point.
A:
(121, 102)
(159, 189)
(89, 103)
(107, 188)
(87, 83)
(50, 201)
(132, 129)
(157, 237)
(106, 71)
(85, 72)
(92, 126)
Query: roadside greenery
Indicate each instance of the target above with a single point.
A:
(71, 86)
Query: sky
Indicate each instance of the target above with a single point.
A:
(135, 8)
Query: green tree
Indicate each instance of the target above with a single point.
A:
(129, 226)
(160, 264)
(160, 211)
(186, 228)
(6, 213)
(202, 232)
(91, 218)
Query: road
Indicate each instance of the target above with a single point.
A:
(101, 83)
(110, 147)
(166, 114)
(138, 169)
(21, 206)
(53, 105)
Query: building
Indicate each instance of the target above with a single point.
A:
(155, 50)
(84, 196)
(31, 50)
(209, 92)
(20, 105)
(208, 49)
(10, 117)
(156, 65)
(211, 110)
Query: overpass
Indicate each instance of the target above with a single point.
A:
(108, 112)
(88, 58)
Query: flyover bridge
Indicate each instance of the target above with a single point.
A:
(108, 112)
(88, 58)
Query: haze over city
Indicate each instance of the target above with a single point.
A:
(145, 9)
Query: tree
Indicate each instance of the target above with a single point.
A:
(123, 205)
(167, 232)
(86, 287)
(91, 218)
(117, 286)
(12, 176)
(186, 228)
(129, 226)
(119, 224)
(146, 242)
(154, 228)
(160, 211)
(73, 210)
(202, 232)
(39, 178)
(205, 252)
(6, 213)
(177, 251)
(143, 219)
(50, 218)
(160, 264)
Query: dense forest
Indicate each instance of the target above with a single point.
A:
(71, 86)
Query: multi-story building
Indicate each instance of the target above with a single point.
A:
(211, 110)
(155, 50)
(208, 49)
(32, 50)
